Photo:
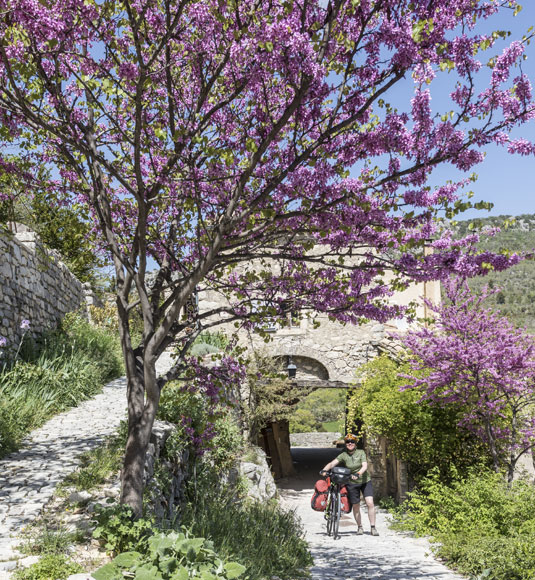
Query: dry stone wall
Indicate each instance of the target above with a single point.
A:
(34, 285)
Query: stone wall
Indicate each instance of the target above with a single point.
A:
(34, 285)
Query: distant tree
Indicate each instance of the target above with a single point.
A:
(63, 227)
(304, 421)
(325, 404)
(477, 362)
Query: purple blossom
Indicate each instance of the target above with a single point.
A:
(25, 324)
(476, 359)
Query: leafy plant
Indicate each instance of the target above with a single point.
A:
(265, 538)
(480, 525)
(171, 556)
(49, 567)
(119, 531)
(424, 436)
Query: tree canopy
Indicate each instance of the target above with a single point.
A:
(261, 149)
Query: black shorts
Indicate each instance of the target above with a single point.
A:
(354, 489)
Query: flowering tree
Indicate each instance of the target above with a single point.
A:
(476, 360)
(250, 148)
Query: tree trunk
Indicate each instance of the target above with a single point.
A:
(140, 422)
(492, 444)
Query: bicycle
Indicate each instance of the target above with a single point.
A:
(338, 476)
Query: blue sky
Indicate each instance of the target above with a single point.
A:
(506, 180)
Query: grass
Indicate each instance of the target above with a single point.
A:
(64, 367)
(50, 539)
(263, 537)
(97, 465)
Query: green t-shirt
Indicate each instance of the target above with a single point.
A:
(354, 462)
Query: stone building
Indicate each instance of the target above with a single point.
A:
(328, 356)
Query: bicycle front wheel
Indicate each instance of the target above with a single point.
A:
(331, 510)
(336, 515)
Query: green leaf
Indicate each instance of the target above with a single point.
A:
(128, 559)
(251, 146)
(180, 574)
(148, 572)
(233, 570)
(108, 572)
(168, 565)
(185, 545)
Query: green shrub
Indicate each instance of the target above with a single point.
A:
(118, 530)
(213, 430)
(479, 523)
(171, 555)
(63, 368)
(227, 443)
(501, 558)
(49, 567)
(423, 435)
(266, 539)
(177, 405)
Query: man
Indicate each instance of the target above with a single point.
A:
(355, 460)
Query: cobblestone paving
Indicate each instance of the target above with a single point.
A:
(390, 556)
(29, 476)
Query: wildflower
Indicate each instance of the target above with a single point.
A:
(3, 342)
(25, 325)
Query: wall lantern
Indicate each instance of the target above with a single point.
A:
(291, 368)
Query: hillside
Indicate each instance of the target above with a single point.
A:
(516, 298)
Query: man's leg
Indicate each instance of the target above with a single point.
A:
(367, 492)
(353, 492)
(371, 509)
(356, 514)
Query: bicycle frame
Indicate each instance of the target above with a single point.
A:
(339, 476)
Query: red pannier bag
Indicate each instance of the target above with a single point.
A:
(345, 506)
(319, 498)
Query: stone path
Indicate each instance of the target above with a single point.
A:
(28, 479)
(29, 476)
(391, 556)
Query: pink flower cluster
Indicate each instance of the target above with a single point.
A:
(476, 360)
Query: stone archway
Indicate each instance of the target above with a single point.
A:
(307, 366)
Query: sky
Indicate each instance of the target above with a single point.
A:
(509, 181)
